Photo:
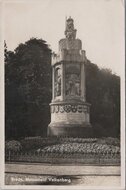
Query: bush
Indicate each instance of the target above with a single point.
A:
(77, 140)
(109, 141)
(112, 141)
(13, 145)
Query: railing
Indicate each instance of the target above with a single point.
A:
(85, 158)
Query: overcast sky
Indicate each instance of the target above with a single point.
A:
(99, 24)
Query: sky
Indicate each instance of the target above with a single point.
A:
(99, 24)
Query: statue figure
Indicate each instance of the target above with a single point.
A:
(70, 25)
(70, 32)
(73, 85)
(58, 87)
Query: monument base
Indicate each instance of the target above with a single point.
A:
(70, 130)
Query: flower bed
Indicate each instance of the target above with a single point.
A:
(64, 150)
(65, 144)
(38, 142)
(82, 148)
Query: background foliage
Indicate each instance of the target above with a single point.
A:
(28, 93)
(28, 89)
(103, 92)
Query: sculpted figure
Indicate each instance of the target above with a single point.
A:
(73, 85)
(70, 32)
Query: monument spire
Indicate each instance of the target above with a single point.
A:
(70, 113)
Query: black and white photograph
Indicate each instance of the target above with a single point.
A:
(62, 94)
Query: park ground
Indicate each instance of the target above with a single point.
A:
(48, 174)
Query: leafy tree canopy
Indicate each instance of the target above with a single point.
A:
(28, 88)
(103, 92)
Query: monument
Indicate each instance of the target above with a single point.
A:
(70, 113)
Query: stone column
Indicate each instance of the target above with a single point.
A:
(84, 59)
(62, 82)
(53, 83)
(82, 82)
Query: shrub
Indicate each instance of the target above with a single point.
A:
(77, 140)
(109, 141)
(112, 141)
(32, 143)
(13, 146)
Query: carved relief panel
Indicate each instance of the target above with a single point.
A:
(72, 79)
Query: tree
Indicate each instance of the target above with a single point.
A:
(103, 92)
(28, 90)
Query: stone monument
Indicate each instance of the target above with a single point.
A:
(70, 113)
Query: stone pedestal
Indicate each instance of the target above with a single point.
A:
(70, 113)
